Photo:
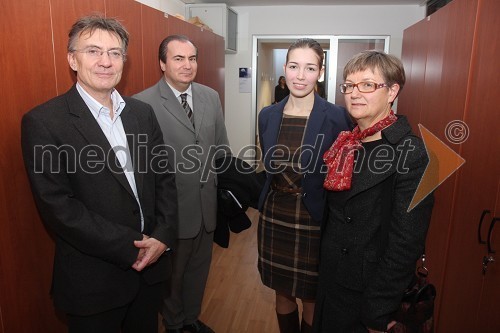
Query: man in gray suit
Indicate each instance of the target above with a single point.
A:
(190, 115)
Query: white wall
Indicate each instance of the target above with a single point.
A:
(302, 20)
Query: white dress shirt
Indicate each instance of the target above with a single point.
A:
(115, 133)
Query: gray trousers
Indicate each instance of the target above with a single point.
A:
(190, 267)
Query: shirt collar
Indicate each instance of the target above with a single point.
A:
(177, 93)
(97, 108)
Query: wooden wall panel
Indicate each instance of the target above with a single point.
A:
(438, 82)
(180, 27)
(415, 106)
(154, 30)
(433, 116)
(446, 90)
(26, 251)
(414, 55)
(129, 14)
(64, 14)
(209, 60)
(219, 66)
(204, 41)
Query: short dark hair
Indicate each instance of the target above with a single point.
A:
(308, 43)
(162, 52)
(389, 66)
(93, 22)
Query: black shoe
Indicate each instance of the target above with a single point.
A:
(198, 327)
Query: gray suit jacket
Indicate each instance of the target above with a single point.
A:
(193, 151)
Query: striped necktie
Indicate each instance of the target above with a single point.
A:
(187, 108)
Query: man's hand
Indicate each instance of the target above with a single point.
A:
(150, 250)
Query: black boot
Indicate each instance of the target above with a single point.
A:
(305, 327)
(289, 323)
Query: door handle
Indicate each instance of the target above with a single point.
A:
(486, 261)
(492, 225)
(485, 212)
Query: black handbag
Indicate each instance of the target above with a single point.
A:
(416, 314)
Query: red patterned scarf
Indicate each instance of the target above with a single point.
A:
(340, 157)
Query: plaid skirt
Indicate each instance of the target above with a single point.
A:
(288, 245)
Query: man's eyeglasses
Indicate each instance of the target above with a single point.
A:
(95, 53)
(364, 87)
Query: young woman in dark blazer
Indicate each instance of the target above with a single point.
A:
(294, 134)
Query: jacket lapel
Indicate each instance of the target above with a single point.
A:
(392, 135)
(172, 105)
(313, 129)
(274, 123)
(199, 107)
(365, 180)
(131, 127)
(86, 124)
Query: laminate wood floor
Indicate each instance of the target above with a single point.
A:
(235, 299)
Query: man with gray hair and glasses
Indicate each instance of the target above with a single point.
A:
(101, 180)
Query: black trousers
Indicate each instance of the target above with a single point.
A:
(141, 315)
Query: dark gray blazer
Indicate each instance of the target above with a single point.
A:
(371, 243)
(325, 123)
(194, 151)
(88, 204)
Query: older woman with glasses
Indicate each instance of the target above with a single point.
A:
(371, 240)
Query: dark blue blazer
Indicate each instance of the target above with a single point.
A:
(325, 123)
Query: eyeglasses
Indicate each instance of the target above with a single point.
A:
(95, 53)
(364, 87)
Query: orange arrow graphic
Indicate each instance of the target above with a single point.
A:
(443, 162)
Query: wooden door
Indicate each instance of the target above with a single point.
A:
(478, 177)
(483, 117)
(437, 54)
(449, 50)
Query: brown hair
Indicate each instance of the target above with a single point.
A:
(308, 43)
(162, 52)
(389, 66)
(92, 23)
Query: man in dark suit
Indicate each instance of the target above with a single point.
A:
(190, 115)
(99, 175)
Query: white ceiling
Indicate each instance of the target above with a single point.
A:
(235, 3)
